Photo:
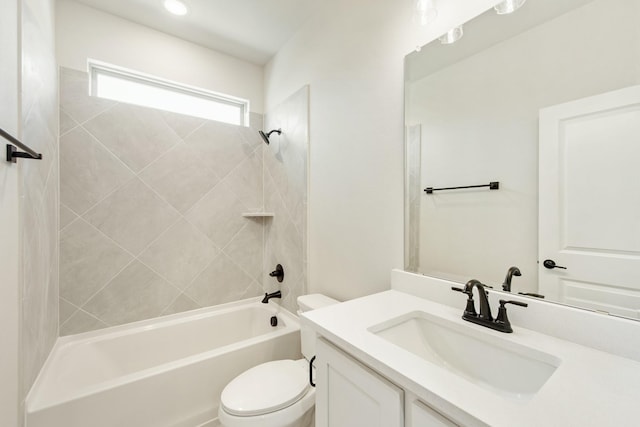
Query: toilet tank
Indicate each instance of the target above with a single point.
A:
(308, 336)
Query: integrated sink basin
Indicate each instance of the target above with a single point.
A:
(492, 362)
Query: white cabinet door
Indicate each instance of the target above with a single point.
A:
(421, 415)
(589, 209)
(350, 395)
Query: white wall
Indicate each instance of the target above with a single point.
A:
(84, 32)
(9, 247)
(351, 54)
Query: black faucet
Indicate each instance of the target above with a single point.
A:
(513, 271)
(484, 318)
(267, 297)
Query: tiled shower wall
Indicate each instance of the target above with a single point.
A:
(151, 206)
(38, 189)
(285, 190)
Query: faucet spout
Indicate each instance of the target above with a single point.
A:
(267, 297)
(485, 309)
(513, 271)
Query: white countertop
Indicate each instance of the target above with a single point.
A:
(589, 388)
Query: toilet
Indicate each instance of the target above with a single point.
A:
(276, 393)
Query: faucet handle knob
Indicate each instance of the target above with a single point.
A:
(521, 304)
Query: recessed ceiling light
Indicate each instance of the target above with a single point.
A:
(176, 7)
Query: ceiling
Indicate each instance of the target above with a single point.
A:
(253, 30)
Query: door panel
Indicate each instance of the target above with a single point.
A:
(589, 202)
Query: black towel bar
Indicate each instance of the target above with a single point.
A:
(492, 186)
(13, 154)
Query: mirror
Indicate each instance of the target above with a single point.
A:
(544, 102)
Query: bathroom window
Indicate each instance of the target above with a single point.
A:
(122, 85)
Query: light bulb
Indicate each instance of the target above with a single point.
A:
(176, 7)
(452, 36)
(508, 6)
(425, 12)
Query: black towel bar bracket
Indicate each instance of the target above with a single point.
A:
(12, 149)
(492, 186)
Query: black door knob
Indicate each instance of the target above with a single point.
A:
(551, 264)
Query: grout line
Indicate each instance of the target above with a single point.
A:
(134, 258)
(70, 222)
(82, 123)
(200, 274)
(233, 260)
(164, 310)
(84, 304)
(197, 128)
(116, 157)
(75, 124)
(106, 325)
(235, 193)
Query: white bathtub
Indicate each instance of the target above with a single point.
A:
(166, 372)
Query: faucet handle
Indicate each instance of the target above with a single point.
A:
(521, 304)
(470, 309)
(502, 314)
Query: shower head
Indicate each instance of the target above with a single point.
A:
(265, 136)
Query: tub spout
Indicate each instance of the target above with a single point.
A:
(267, 297)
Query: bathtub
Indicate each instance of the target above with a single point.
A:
(166, 372)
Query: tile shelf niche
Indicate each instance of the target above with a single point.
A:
(258, 214)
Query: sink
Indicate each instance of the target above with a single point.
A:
(489, 361)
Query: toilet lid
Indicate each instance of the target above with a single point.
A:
(265, 388)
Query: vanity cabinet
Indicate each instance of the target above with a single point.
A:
(348, 394)
(419, 414)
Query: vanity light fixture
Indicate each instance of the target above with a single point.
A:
(508, 6)
(452, 36)
(425, 12)
(176, 7)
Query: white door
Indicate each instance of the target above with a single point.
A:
(589, 202)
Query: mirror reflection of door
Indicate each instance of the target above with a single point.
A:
(589, 202)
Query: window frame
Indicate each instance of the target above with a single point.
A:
(98, 67)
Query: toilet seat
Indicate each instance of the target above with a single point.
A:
(265, 388)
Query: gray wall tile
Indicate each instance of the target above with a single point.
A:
(75, 99)
(180, 304)
(136, 135)
(133, 216)
(38, 188)
(285, 193)
(155, 222)
(81, 322)
(181, 176)
(136, 293)
(180, 254)
(88, 171)
(88, 260)
(210, 288)
(219, 214)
